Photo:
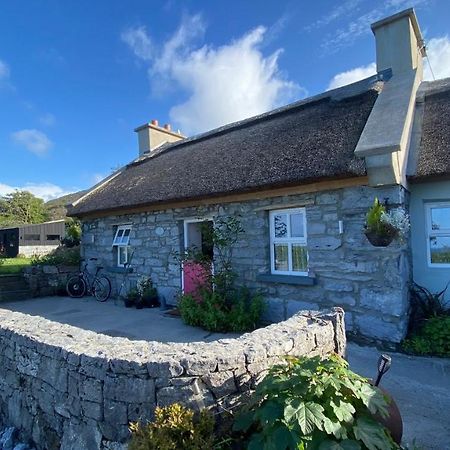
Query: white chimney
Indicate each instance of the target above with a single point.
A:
(151, 136)
(399, 42)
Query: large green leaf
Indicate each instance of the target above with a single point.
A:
(342, 445)
(243, 421)
(374, 399)
(308, 415)
(344, 411)
(373, 435)
(282, 438)
(334, 428)
(269, 412)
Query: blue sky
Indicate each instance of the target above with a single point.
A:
(76, 77)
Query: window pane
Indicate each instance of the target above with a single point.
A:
(122, 255)
(299, 258)
(440, 218)
(281, 257)
(297, 225)
(126, 236)
(440, 249)
(280, 225)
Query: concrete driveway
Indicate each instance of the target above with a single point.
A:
(421, 389)
(113, 319)
(420, 386)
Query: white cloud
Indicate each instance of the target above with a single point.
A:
(33, 140)
(359, 24)
(438, 50)
(350, 76)
(139, 41)
(4, 70)
(223, 84)
(47, 119)
(46, 191)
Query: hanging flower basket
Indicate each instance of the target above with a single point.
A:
(378, 240)
(383, 227)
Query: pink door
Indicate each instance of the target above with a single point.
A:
(196, 276)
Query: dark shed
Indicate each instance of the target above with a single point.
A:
(47, 233)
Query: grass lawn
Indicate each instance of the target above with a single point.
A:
(13, 265)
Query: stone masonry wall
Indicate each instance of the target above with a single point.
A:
(68, 388)
(46, 280)
(370, 283)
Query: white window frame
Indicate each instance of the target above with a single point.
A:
(288, 240)
(435, 233)
(122, 241)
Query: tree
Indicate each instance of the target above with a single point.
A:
(22, 207)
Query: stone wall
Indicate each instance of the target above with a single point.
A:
(370, 283)
(68, 388)
(46, 280)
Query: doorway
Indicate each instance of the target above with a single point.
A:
(197, 272)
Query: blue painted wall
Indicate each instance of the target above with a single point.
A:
(433, 278)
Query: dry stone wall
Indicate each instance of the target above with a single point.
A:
(68, 388)
(46, 280)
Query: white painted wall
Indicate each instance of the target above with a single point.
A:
(433, 278)
(31, 250)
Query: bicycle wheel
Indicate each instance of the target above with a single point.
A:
(101, 288)
(76, 286)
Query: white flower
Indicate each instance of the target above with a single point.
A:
(397, 219)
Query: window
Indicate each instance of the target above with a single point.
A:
(32, 237)
(438, 234)
(53, 237)
(121, 242)
(288, 252)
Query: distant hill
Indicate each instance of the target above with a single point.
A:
(57, 207)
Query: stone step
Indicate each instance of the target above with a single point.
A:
(12, 283)
(13, 295)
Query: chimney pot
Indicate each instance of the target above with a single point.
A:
(167, 127)
(154, 122)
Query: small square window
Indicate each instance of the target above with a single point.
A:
(121, 242)
(122, 236)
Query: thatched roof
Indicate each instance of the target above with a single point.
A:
(431, 159)
(307, 141)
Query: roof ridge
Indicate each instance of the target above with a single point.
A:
(373, 82)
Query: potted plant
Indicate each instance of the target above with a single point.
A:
(382, 227)
(131, 298)
(147, 292)
(139, 302)
(150, 297)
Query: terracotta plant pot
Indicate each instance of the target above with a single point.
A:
(393, 422)
(378, 240)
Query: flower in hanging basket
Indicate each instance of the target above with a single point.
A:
(383, 227)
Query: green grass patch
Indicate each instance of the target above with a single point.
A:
(13, 266)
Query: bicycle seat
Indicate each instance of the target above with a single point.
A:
(93, 259)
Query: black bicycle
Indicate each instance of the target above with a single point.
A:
(86, 283)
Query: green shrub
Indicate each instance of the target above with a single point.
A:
(209, 309)
(317, 404)
(432, 339)
(425, 305)
(174, 428)
(60, 256)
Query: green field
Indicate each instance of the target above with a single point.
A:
(13, 265)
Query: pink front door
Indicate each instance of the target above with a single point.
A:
(195, 275)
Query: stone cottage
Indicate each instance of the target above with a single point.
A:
(301, 178)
